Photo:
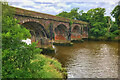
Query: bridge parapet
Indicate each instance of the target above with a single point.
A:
(34, 14)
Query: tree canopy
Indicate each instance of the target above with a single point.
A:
(116, 13)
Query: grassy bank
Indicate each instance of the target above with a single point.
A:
(46, 67)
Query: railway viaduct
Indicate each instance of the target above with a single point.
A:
(44, 27)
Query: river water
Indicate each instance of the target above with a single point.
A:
(90, 59)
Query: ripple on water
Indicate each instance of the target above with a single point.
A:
(90, 59)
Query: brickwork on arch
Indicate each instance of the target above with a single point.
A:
(46, 19)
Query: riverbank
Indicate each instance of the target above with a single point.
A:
(47, 50)
(63, 44)
(103, 39)
(77, 41)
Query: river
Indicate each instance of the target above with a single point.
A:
(90, 59)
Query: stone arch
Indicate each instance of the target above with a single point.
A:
(76, 32)
(61, 32)
(30, 20)
(38, 32)
(59, 23)
(76, 29)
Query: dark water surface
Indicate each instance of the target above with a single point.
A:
(91, 59)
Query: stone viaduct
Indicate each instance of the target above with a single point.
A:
(44, 27)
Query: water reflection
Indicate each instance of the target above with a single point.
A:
(89, 59)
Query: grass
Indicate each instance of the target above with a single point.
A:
(46, 67)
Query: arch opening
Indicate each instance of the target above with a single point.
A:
(61, 32)
(85, 29)
(76, 33)
(38, 33)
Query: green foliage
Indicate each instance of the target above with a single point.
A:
(63, 44)
(16, 55)
(98, 30)
(116, 13)
(16, 62)
(48, 50)
(96, 15)
(20, 60)
(114, 27)
(70, 23)
(63, 14)
(12, 32)
(73, 14)
(83, 17)
(47, 68)
(97, 21)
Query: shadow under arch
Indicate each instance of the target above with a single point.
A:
(38, 32)
(76, 29)
(61, 32)
(76, 32)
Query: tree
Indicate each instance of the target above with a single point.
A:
(96, 19)
(73, 14)
(96, 15)
(108, 22)
(116, 13)
(84, 17)
(63, 14)
(116, 25)
(114, 29)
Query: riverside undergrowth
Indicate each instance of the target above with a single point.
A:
(20, 60)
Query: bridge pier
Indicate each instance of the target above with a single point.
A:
(85, 31)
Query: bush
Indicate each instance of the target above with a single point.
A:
(101, 38)
(15, 63)
(109, 36)
(91, 38)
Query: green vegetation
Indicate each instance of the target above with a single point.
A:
(63, 44)
(116, 13)
(101, 27)
(78, 41)
(73, 14)
(20, 60)
(48, 50)
(44, 67)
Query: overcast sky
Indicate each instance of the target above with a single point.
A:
(56, 6)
